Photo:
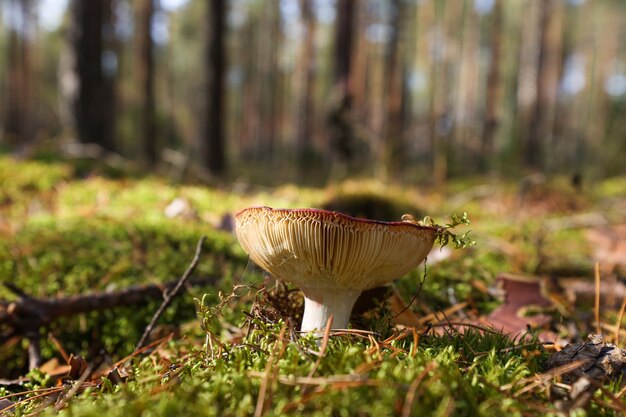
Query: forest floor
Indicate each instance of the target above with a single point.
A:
(476, 331)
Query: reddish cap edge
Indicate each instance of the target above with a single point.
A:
(338, 214)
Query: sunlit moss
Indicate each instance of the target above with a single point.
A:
(68, 235)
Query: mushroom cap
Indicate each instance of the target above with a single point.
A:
(323, 249)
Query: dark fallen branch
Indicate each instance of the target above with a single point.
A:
(27, 313)
(169, 295)
(26, 310)
(34, 348)
(25, 316)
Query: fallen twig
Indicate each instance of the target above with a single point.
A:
(34, 349)
(457, 325)
(73, 390)
(46, 310)
(530, 383)
(614, 401)
(270, 374)
(411, 394)
(322, 351)
(25, 316)
(137, 352)
(171, 294)
(357, 379)
(597, 297)
(50, 391)
(618, 324)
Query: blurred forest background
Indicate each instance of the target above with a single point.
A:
(312, 90)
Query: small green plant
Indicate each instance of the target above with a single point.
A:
(444, 233)
(445, 236)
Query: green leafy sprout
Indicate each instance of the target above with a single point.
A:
(444, 235)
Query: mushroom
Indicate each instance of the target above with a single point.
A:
(330, 256)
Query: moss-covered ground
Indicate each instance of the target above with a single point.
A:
(228, 353)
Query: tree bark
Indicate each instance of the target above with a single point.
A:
(29, 313)
(145, 78)
(270, 74)
(540, 130)
(340, 117)
(493, 101)
(306, 111)
(16, 115)
(393, 86)
(93, 106)
(249, 140)
(346, 12)
(214, 149)
(439, 117)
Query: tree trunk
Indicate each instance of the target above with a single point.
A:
(540, 130)
(466, 85)
(271, 80)
(249, 141)
(145, 79)
(392, 135)
(346, 12)
(493, 101)
(16, 116)
(214, 150)
(306, 111)
(94, 101)
(340, 117)
(438, 124)
(14, 112)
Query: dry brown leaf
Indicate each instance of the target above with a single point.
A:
(54, 368)
(521, 293)
(5, 404)
(78, 366)
(609, 245)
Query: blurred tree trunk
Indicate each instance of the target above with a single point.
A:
(360, 71)
(540, 130)
(251, 86)
(213, 149)
(15, 103)
(439, 117)
(392, 134)
(271, 81)
(493, 99)
(94, 102)
(465, 92)
(340, 117)
(526, 80)
(144, 67)
(346, 12)
(306, 111)
(16, 116)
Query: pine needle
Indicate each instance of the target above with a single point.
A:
(597, 300)
(618, 325)
(270, 374)
(411, 394)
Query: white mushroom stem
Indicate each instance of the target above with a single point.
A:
(321, 303)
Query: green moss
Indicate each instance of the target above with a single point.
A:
(611, 188)
(18, 176)
(60, 257)
(52, 256)
(68, 236)
(27, 186)
(375, 381)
